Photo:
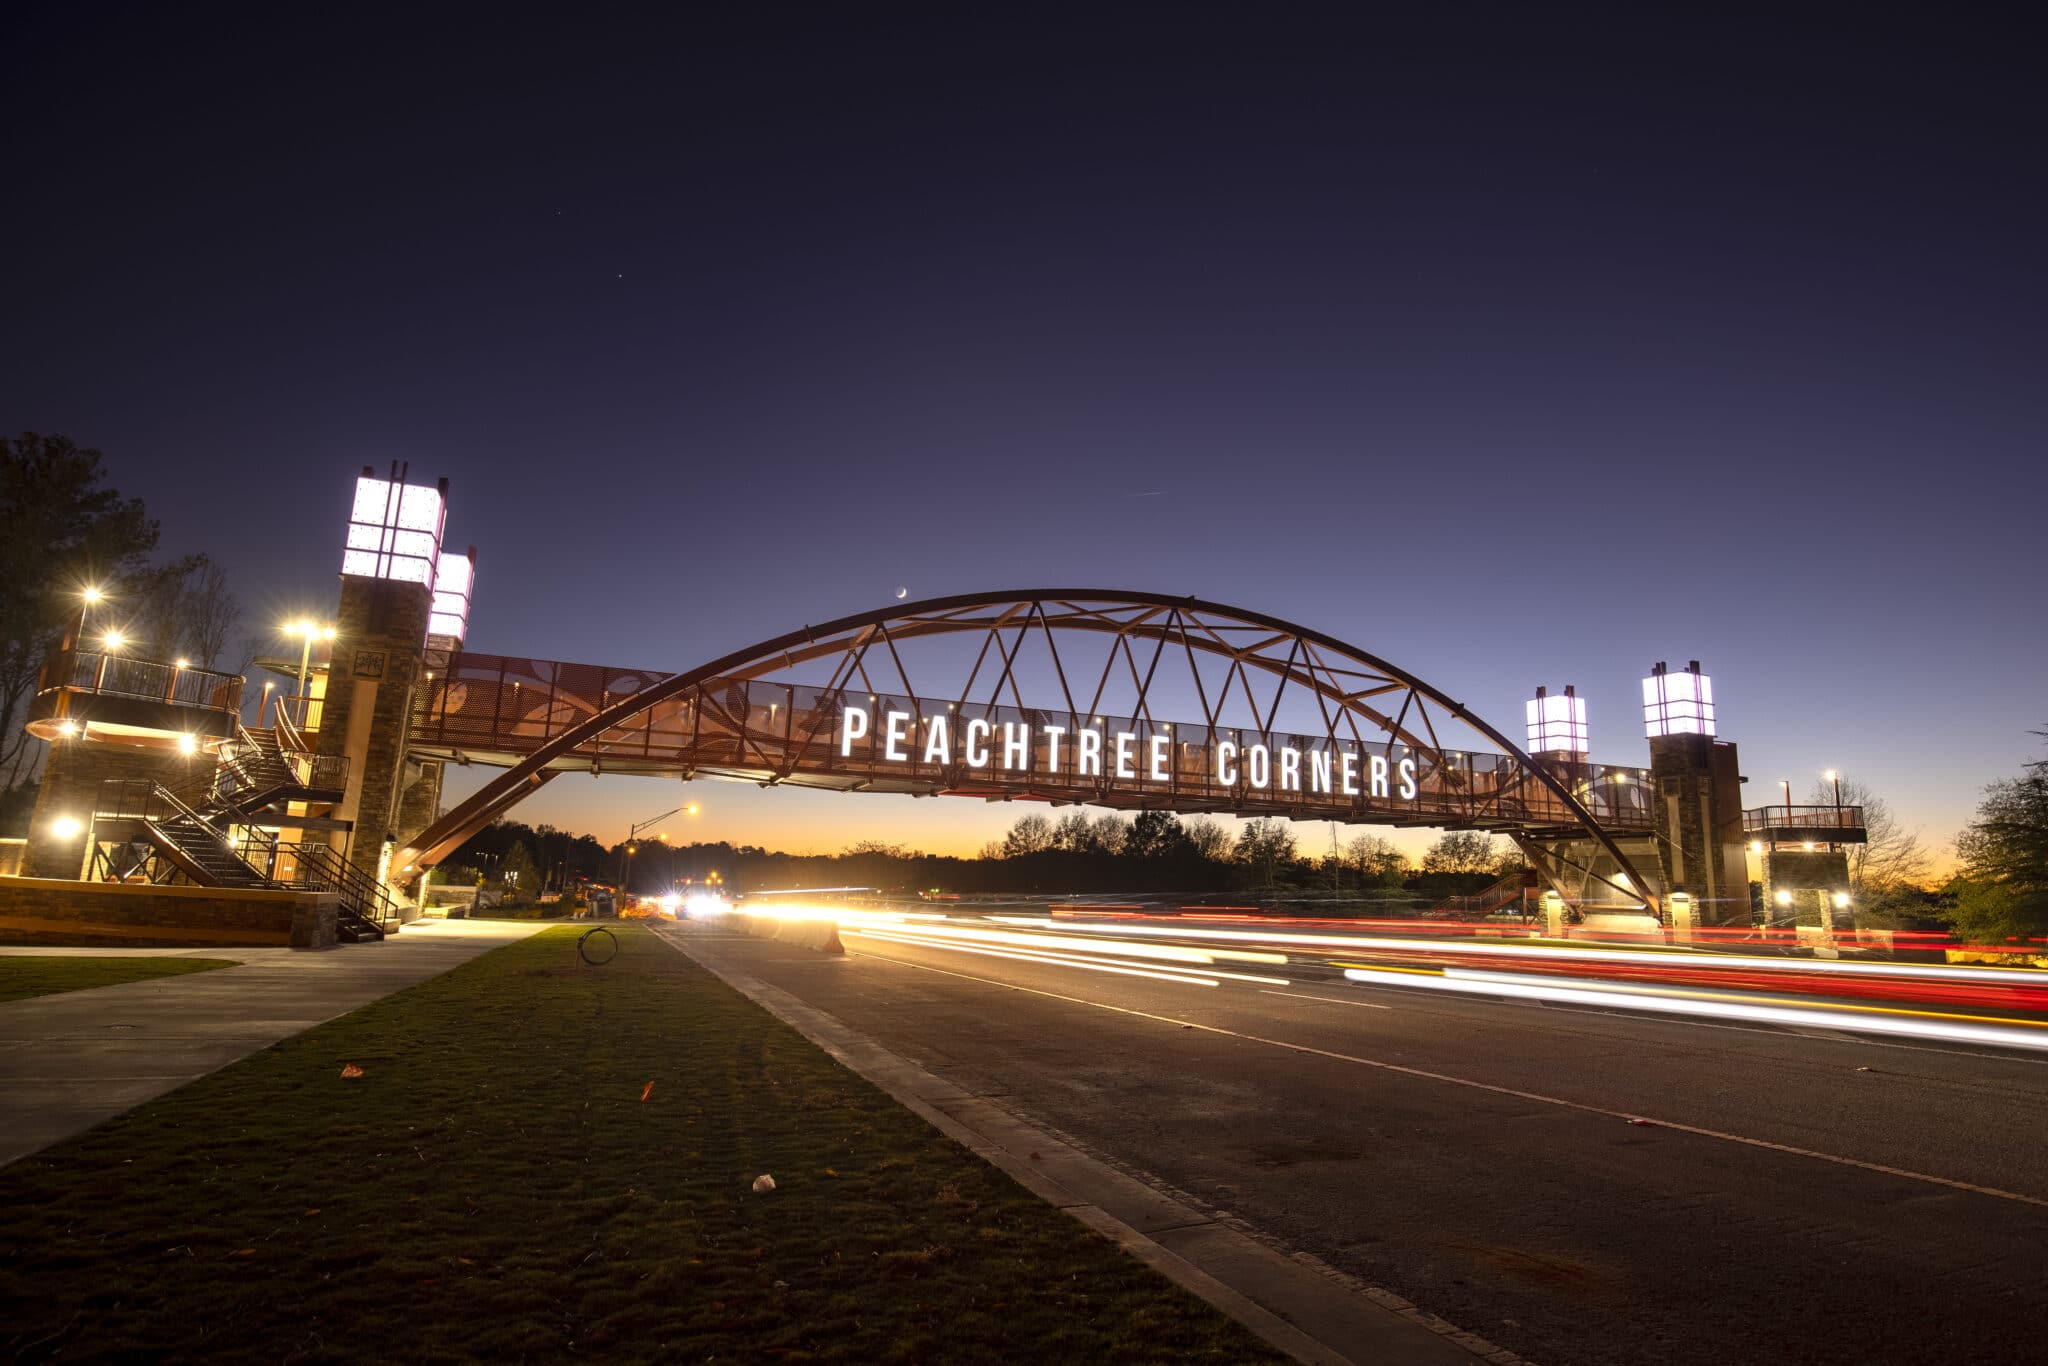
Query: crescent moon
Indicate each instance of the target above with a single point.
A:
(903, 592)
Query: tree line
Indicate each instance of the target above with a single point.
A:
(1999, 891)
(1155, 851)
(62, 530)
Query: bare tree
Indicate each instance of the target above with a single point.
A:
(1460, 851)
(1890, 860)
(1031, 835)
(1211, 840)
(1375, 859)
(210, 610)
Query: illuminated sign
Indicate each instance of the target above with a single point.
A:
(1149, 754)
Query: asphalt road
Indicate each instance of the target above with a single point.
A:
(1479, 1158)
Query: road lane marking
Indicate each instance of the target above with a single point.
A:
(1333, 1000)
(1558, 1101)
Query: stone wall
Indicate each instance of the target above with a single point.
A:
(1699, 824)
(421, 801)
(1812, 877)
(380, 637)
(140, 915)
(71, 785)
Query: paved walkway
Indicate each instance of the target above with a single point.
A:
(70, 1060)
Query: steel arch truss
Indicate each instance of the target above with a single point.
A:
(1372, 743)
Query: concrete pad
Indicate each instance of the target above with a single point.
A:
(74, 1059)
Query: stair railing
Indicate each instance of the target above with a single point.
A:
(155, 805)
(317, 867)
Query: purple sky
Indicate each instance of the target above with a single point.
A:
(1524, 351)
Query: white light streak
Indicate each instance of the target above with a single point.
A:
(1038, 958)
(1535, 989)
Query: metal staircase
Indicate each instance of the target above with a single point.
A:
(219, 830)
(1501, 895)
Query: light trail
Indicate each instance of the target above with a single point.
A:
(944, 941)
(1153, 973)
(1637, 957)
(1862, 1019)
(1170, 952)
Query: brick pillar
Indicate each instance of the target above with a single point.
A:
(380, 638)
(70, 788)
(1813, 877)
(421, 801)
(1698, 794)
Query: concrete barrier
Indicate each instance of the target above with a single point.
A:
(822, 935)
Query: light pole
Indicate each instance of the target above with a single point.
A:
(89, 597)
(633, 833)
(110, 642)
(306, 631)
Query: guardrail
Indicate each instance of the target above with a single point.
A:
(110, 675)
(1765, 818)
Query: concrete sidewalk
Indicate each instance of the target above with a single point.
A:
(70, 1060)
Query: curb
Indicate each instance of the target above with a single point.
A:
(1297, 1304)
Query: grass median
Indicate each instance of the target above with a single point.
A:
(22, 976)
(547, 1159)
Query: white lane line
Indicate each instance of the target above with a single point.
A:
(1333, 1000)
(1673, 1125)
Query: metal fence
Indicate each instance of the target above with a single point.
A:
(112, 675)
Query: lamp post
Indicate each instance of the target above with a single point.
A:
(89, 597)
(306, 631)
(110, 642)
(633, 833)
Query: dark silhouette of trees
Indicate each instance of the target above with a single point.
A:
(2002, 891)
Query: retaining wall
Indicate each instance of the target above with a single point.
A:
(142, 915)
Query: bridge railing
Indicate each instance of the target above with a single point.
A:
(1763, 819)
(792, 732)
(113, 675)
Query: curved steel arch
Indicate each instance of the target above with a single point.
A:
(1195, 623)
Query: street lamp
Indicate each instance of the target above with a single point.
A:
(110, 642)
(307, 631)
(632, 834)
(89, 597)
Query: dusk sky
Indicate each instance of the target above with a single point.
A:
(1523, 350)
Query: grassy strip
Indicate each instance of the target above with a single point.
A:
(23, 976)
(499, 1183)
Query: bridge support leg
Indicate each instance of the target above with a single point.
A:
(379, 647)
(1699, 825)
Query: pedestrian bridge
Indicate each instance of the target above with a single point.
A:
(1123, 700)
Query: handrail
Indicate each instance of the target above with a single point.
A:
(1761, 818)
(149, 801)
(289, 737)
(362, 893)
(1509, 888)
(111, 675)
